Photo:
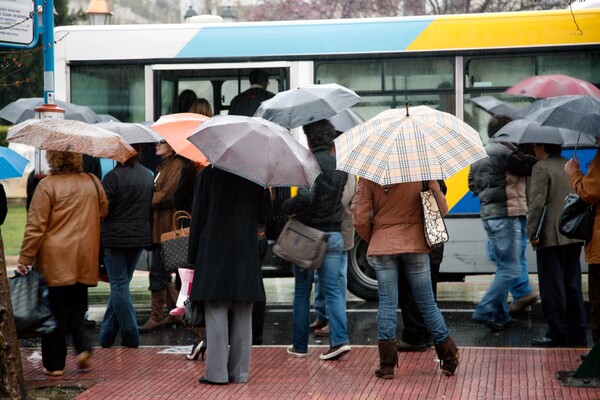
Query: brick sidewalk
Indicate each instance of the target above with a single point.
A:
(164, 373)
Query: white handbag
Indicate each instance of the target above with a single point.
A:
(434, 226)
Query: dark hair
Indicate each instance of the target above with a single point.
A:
(186, 100)
(320, 133)
(496, 123)
(259, 77)
(551, 148)
(136, 157)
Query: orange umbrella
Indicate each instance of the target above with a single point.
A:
(176, 128)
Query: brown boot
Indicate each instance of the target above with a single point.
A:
(448, 354)
(388, 359)
(156, 311)
(172, 295)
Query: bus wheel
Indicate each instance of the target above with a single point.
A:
(361, 277)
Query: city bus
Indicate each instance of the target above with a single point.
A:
(135, 73)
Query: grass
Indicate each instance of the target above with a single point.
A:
(13, 229)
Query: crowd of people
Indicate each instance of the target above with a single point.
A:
(131, 208)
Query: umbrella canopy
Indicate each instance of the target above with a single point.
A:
(176, 129)
(23, 109)
(12, 164)
(523, 131)
(257, 150)
(107, 118)
(494, 106)
(346, 120)
(577, 113)
(72, 136)
(544, 86)
(306, 104)
(398, 146)
(132, 133)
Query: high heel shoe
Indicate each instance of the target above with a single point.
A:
(198, 349)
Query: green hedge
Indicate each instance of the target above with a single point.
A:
(3, 131)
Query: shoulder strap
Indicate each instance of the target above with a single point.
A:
(424, 186)
(96, 186)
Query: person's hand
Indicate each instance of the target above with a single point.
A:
(571, 166)
(22, 269)
(535, 241)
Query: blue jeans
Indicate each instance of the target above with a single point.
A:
(416, 269)
(320, 304)
(120, 314)
(505, 236)
(331, 276)
(520, 287)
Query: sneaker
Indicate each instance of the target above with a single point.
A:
(318, 324)
(322, 332)
(498, 327)
(83, 359)
(522, 302)
(53, 373)
(335, 352)
(292, 352)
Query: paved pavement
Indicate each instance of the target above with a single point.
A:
(165, 373)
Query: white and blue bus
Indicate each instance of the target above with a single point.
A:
(135, 73)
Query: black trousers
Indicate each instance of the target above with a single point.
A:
(594, 295)
(69, 304)
(559, 274)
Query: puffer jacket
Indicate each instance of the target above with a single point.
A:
(397, 224)
(500, 180)
(321, 206)
(62, 235)
(588, 189)
(129, 191)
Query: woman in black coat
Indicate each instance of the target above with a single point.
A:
(223, 247)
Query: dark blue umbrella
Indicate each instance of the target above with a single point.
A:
(12, 164)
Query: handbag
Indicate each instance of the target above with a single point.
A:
(577, 218)
(30, 304)
(436, 232)
(194, 313)
(174, 244)
(301, 245)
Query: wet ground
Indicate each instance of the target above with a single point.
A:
(457, 301)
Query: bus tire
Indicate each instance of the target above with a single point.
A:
(361, 277)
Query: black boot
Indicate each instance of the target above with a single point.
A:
(388, 359)
(448, 354)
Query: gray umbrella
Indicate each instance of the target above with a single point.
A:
(494, 106)
(23, 109)
(132, 133)
(256, 149)
(306, 104)
(577, 113)
(523, 131)
(346, 120)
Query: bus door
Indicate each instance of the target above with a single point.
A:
(219, 84)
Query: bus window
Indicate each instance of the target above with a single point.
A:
(232, 88)
(418, 74)
(354, 75)
(498, 72)
(582, 65)
(117, 90)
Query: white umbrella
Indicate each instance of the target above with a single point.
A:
(523, 131)
(256, 149)
(132, 133)
(23, 109)
(72, 136)
(306, 104)
(399, 146)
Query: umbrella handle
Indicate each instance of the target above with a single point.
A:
(576, 145)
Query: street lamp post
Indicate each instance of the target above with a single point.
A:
(99, 12)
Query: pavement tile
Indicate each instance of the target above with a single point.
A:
(164, 373)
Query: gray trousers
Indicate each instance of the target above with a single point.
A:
(221, 365)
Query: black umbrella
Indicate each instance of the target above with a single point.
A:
(494, 106)
(577, 113)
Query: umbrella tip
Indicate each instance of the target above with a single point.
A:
(406, 103)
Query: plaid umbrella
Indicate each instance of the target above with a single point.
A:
(399, 146)
(72, 136)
